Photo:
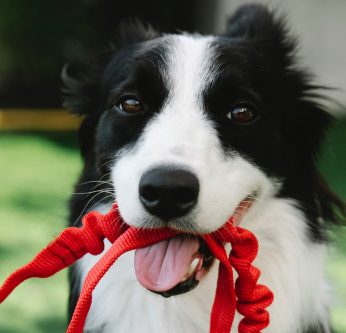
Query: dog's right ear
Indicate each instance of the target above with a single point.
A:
(80, 89)
(82, 82)
(133, 31)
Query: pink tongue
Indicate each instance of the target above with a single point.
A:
(161, 266)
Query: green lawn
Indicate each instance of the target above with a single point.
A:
(37, 173)
(36, 177)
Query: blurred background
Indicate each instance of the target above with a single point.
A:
(39, 158)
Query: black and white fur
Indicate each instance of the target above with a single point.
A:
(188, 84)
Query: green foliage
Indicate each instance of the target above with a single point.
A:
(333, 166)
(333, 161)
(36, 37)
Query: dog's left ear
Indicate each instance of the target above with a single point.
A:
(255, 23)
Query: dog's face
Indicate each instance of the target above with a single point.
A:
(192, 129)
(192, 123)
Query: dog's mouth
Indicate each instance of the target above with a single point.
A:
(175, 266)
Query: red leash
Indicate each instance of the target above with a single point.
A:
(248, 298)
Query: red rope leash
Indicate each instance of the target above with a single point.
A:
(249, 298)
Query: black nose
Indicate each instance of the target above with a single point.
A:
(168, 193)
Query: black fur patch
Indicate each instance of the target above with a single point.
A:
(254, 62)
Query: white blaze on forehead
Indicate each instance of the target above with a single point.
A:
(181, 132)
(189, 68)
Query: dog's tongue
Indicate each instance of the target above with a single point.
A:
(161, 266)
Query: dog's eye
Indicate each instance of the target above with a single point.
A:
(130, 105)
(243, 114)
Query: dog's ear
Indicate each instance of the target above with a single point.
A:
(252, 21)
(255, 23)
(80, 88)
(82, 81)
(134, 31)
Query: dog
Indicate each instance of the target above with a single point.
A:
(185, 130)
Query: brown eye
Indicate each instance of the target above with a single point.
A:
(243, 114)
(130, 105)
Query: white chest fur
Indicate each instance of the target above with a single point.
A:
(291, 266)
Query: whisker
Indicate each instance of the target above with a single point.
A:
(91, 192)
(87, 206)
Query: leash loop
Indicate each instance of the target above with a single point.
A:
(245, 295)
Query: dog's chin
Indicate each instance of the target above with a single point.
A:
(201, 261)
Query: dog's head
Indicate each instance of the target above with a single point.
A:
(192, 129)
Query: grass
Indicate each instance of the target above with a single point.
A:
(37, 173)
(37, 176)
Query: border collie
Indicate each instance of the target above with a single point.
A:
(185, 130)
